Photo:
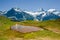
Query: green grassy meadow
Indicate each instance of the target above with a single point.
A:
(51, 30)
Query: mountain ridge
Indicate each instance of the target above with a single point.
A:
(20, 15)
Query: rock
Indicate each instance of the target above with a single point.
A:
(25, 29)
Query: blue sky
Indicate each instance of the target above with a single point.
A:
(29, 4)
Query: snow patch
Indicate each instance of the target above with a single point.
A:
(13, 17)
(32, 13)
(51, 10)
(17, 9)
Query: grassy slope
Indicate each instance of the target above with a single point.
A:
(6, 33)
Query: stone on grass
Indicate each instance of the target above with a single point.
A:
(25, 29)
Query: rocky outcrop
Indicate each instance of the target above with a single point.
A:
(25, 29)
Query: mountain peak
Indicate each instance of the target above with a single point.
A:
(51, 10)
(41, 9)
(17, 9)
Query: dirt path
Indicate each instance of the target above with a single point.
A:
(56, 30)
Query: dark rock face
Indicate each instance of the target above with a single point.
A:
(25, 29)
(48, 16)
(18, 15)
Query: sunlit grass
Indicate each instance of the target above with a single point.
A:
(5, 30)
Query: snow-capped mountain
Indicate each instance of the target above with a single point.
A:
(35, 13)
(49, 15)
(17, 14)
(40, 15)
(54, 11)
(1, 12)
